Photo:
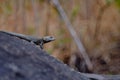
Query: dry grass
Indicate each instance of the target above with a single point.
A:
(84, 19)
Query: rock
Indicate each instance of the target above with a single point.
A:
(22, 60)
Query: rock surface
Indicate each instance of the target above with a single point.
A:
(21, 60)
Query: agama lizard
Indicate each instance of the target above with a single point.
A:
(37, 41)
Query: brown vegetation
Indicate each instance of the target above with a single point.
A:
(95, 21)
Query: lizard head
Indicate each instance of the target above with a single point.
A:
(48, 39)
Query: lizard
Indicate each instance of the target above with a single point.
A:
(37, 41)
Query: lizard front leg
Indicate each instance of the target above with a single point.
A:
(41, 44)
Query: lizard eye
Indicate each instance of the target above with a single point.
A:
(51, 37)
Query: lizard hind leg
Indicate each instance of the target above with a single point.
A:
(32, 42)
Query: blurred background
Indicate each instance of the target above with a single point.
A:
(96, 22)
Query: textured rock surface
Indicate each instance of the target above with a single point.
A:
(21, 60)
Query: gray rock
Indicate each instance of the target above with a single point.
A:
(22, 60)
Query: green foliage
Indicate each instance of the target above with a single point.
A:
(62, 41)
(61, 32)
(62, 38)
(30, 30)
(6, 8)
(28, 5)
(41, 1)
(117, 2)
(109, 1)
(74, 12)
(54, 11)
(65, 40)
(49, 51)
